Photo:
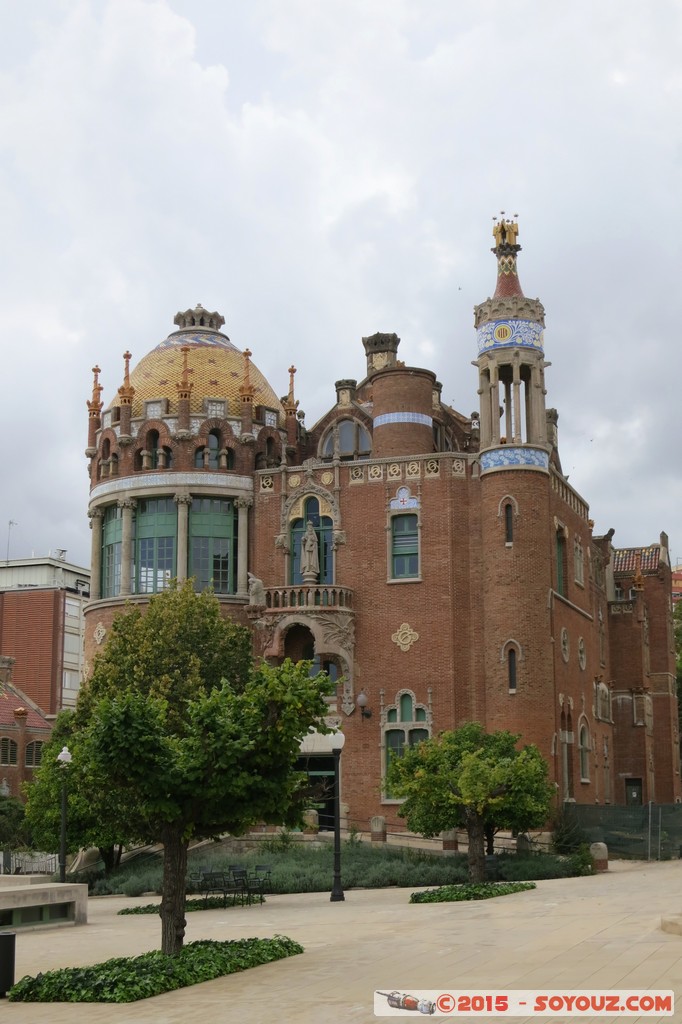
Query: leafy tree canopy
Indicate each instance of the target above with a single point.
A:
(14, 830)
(468, 778)
(179, 736)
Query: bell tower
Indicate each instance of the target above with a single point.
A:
(511, 365)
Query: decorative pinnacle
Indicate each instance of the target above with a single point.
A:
(95, 405)
(184, 387)
(246, 389)
(126, 390)
(291, 404)
(505, 233)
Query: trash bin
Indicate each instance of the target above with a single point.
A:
(7, 948)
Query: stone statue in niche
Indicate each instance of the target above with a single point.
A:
(256, 591)
(310, 555)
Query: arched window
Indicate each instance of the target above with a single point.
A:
(272, 459)
(152, 445)
(561, 562)
(348, 440)
(323, 531)
(201, 461)
(230, 458)
(8, 751)
(508, 523)
(406, 725)
(585, 747)
(213, 449)
(578, 562)
(34, 753)
(511, 669)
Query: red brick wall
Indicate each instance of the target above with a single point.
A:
(32, 632)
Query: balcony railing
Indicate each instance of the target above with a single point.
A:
(315, 596)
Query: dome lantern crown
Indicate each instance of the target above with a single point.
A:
(198, 317)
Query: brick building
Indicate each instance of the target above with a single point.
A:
(439, 565)
(23, 731)
(42, 627)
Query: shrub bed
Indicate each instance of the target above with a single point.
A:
(210, 903)
(126, 979)
(472, 891)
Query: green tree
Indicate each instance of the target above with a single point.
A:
(191, 738)
(472, 779)
(92, 819)
(14, 829)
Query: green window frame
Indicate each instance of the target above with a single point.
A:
(212, 554)
(112, 534)
(405, 546)
(156, 525)
(406, 725)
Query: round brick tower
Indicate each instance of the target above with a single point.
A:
(517, 547)
(402, 400)
(172, 459)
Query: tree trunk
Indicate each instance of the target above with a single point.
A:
(108, 855)
(489, 839)
(173, 890)
(476, 834)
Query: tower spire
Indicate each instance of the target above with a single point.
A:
(505, 233)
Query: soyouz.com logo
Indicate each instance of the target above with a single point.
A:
(520, 1003)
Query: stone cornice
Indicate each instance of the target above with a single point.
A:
(509, 307)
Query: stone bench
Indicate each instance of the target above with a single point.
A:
(42, 903)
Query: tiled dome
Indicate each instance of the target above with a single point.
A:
(215, 368)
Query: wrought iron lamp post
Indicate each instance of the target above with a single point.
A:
(338, 741)
(64, 757)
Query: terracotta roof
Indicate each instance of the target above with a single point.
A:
(12, 698)
(625, 559)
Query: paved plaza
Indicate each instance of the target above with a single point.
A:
(601, 932)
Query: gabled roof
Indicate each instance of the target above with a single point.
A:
(10, 699)
(627, 560)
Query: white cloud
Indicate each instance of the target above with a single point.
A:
(321, 171)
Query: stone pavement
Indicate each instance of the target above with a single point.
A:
(579, 933)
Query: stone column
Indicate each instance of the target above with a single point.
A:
(517, 438)
(243, 506)
(96, 516)
(183, 501)
(127, 506)
(494, 406)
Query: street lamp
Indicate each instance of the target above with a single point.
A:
(64, 758)
(338, 741)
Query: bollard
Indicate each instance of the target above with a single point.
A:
(600, 856)
(7, 948)
(377, 826)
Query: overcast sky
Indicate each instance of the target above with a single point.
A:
(318, 170)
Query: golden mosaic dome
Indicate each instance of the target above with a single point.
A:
(215, 369)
